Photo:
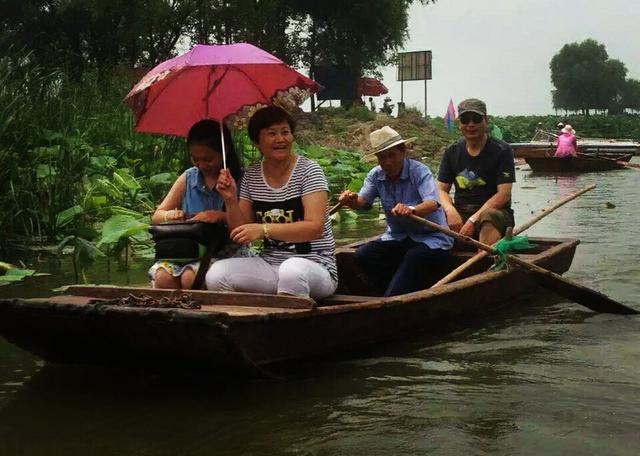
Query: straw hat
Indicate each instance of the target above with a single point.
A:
(568, 129)
(383, 139)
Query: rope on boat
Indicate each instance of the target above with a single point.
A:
(504, 246)
(166, 302)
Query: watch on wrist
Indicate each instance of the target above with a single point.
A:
(413, 209)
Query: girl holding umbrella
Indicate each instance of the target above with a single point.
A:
(193, 197)
(283, 201)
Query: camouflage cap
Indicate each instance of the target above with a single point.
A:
(472, 105)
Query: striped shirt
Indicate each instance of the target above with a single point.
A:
(284, 205)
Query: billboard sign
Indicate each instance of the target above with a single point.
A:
(339, 82)
(414, 66)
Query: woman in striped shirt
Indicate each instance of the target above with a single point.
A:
(283, 201)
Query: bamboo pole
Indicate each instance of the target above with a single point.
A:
(594, 300)
(480, 255)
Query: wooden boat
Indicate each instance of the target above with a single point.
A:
(240, 330)
(543, 144)
(527, 150)
(579, 164)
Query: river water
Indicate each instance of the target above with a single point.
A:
(548, 377)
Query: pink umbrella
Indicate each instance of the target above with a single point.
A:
(214, 82)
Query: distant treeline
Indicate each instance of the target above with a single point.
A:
(522, 128)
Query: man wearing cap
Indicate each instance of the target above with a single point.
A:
(395, 263)
(481, 169)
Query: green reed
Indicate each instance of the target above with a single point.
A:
(58, 136)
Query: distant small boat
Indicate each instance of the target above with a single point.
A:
(581, 164)
(543, 144)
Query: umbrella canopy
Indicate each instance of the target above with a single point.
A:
(214, 82)
(370, 87)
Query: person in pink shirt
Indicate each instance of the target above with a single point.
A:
(567, 145)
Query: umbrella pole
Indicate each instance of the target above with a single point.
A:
(224, 152)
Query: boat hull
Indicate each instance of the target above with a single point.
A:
(223, 338)
(580, 164)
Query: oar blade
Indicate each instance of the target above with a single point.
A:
(592, 299)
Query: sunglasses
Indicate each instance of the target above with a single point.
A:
(469, 117)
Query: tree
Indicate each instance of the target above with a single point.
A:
(360, 34)
(81, 35)
(586, 78)
(264, 23)
(97, 34)
(631, 95)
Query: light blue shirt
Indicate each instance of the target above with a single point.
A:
(415, 185)
(197, 197)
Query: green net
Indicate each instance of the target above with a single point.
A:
(504, 246)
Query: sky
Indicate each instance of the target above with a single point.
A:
(500, 50)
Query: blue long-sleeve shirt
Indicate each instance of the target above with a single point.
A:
(415, 185)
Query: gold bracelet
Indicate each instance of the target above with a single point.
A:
(265, 230)
(166, 218)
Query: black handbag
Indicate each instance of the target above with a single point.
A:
(185, 241)
(189, 241)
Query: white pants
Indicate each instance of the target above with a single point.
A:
(295, 276)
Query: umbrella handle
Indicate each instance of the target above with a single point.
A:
(224, 152)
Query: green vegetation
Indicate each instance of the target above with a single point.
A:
(585, 78)
(69, 157)
(522, 128)
(10, 274)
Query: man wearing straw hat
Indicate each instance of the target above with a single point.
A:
(396, 262)
(482, 170)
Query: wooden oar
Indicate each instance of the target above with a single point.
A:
(594, 300)
(480, 255)
(335, 208)
(619, 162)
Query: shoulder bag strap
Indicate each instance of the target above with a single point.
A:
(215, 245)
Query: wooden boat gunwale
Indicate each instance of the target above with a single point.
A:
(272, 310)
